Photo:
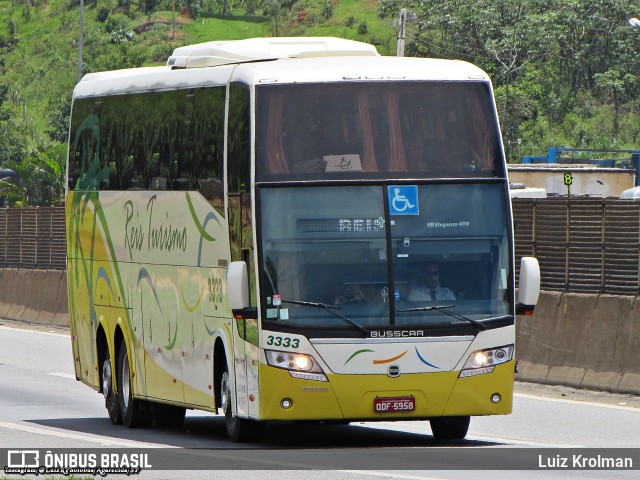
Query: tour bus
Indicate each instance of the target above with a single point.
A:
(293, 229)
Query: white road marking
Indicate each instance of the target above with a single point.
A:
(102, 440)
(63, 375)
(577, 402)
(18, 329)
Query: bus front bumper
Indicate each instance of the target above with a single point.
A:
(352, 397)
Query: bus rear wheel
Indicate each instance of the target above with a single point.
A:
(111, 400)
(135, 413)
(450, 428)
(239, 430)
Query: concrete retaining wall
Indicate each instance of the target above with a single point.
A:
(579, 340)
(34, 296)
(582, 340)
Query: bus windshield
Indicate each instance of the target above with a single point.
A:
(379, 255)
(376, 130)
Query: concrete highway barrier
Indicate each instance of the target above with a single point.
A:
(580, 340)
(34, 296)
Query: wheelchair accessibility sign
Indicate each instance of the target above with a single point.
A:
(403, 199)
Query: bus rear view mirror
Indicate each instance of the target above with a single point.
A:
(529, 286)
(238, 285)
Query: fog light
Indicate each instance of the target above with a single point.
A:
(286, 403)
(496, 398)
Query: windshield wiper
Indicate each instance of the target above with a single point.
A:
(443, 309)
(332, 310)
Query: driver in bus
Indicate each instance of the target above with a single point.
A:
(428, 287)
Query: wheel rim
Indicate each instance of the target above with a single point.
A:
(106, 378)
(224, 391)
(125, 379)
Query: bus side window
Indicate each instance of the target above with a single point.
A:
(238, 141)
(239, 182)
(208, 128)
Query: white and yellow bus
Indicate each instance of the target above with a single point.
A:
(292, 229)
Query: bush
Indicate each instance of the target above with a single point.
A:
(102, 15)
(161, 51)
(363, 28)
(117, 22)
(117, 26)
(326, 10)
(26, 13)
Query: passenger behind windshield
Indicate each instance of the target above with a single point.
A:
(427, 286)
(351, 294)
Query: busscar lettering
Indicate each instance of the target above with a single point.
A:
(396, 333)
(163, 237)
(314, 389)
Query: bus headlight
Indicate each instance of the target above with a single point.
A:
(484, 361)
(299, 365)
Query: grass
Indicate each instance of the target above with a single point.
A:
(227, 27)
(356, 13)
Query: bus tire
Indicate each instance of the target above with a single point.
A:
(239, 430)
(168, 416)
(450, 428)
(111, 400)
(135, 413)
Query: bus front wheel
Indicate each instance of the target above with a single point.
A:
(238, 429)
(135, 413)
(450, 428)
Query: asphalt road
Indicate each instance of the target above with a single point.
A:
(42, 406)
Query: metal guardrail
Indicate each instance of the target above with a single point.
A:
(33, 237)
(583, 244)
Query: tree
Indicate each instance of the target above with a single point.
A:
(548, 59)
(12, 141)
(58, 118)
(41, 175)
(612, 83)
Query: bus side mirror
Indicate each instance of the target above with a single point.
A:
(238, 291)
(529, 286)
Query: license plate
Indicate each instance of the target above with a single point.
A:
(394, 404)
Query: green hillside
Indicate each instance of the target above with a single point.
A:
(566, 72)
(39, 59)
(40, 56)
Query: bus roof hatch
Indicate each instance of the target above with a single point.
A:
(211, 54)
